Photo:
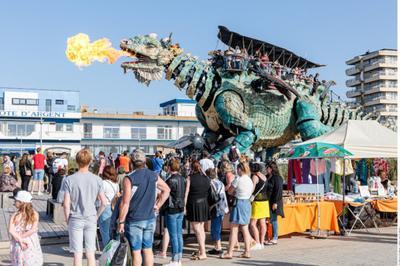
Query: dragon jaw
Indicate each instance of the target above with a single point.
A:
(151, 57)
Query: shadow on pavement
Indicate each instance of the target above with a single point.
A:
(266, 262)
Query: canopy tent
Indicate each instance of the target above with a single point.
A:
(363, 138)
(275, 53)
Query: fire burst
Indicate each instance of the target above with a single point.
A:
(82, 52)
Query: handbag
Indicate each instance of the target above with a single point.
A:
(28, 172)
(253, 196)
(122, 256)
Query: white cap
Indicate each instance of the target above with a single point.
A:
(24, 196)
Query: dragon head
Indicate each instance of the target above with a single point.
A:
(151, 55)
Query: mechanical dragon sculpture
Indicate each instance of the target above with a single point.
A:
(257, 109)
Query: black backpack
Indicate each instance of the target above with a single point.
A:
(213, 195)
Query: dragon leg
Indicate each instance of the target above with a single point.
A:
(309, 120)
(234, 118)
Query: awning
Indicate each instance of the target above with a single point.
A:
(275, 53)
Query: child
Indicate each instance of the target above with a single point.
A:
(25, 246)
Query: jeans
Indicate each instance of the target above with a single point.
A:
(104, 225)
(174, 225)
(216, 227)
(274, 222)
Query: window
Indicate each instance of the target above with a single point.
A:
(18, 129)
(189, 130)
(21, 101)
(69, 127)
(87, 130)
(164, 132)
(111, 131)
(59, 127)
(48, 105)
(1, 103)
(71, 107)
(138, 132)
(60, 102)
(63, 127)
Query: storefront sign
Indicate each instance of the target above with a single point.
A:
(38, 114)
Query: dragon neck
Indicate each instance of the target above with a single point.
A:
(192, 75)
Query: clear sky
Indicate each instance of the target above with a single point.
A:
(33, 38)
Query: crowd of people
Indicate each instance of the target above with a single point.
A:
(237, 60)
(126, 195)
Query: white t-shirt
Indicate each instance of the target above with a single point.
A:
(244, 187)
(59, 163)
(110, 189)
(206, 164)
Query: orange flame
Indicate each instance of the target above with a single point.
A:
(82, 52)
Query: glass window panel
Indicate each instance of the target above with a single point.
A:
(59, 127)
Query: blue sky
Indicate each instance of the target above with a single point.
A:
(33, 38)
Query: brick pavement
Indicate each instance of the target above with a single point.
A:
(362, 248)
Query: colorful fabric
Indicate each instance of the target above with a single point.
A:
(348, 168)
(321, 167)
(337, 183)
(380, 164)
(305, 170)
(362, 172)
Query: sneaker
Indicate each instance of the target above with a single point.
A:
(273, 242)
(39, 193)
(257, 247)
(173, 263)
(215, 252)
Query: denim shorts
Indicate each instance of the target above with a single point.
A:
(140, 234)
(38, 174)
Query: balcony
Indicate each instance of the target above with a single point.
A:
(353, 82)
(353, 93)
(352, 71)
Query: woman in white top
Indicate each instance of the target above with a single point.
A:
(111, 190)
(242, 189)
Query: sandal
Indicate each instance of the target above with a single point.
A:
(244, 256)
(198, 258)
(226, 256)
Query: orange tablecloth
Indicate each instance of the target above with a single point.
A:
(339, 205)
(302, 216)
(382, 205)
(385, 205)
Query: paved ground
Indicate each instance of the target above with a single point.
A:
(361, 248)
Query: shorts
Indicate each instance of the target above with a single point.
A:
(38, 174)
(240, 214)
(80, 229)
(259, 209)
(140, 234)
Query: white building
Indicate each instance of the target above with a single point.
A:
(119, 132)
(31, 118)
(373, 84)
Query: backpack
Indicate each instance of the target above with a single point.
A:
(233, 154)
(213, 195)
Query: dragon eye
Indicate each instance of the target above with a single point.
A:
(150, 45)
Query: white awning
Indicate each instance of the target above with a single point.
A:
(363, 138)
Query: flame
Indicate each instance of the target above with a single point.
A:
(82, 52)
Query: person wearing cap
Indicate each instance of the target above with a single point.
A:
(138, 208)
(81, 190)
(23, 227)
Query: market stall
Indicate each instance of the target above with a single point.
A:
(364, 139)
